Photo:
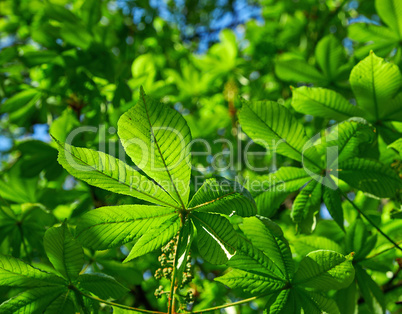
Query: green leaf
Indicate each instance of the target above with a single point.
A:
(34, 58)
(325, 270)
(63, 304)
(332, 200)
(64, 124)
(370, 176)
(316, 303)
(224, 197)
(7, 215)
(390, 11)
(106, 172)
(330, 55)
(325, 103)
(76, 35)
(306, 205)
(380, 39)
(374, 82)
(250, 282)
(346, 299)
(91, 12)
(60, 13)
(365, 32)
(186, 239)
(268, 237)
(102, 285)
(255, 271)
(382, 49)
(156, 236)
(112, 226)
(299, 71)
(20, 100)
(250, 259)
(64, 252)
(118, 310)
(37, 156)
(358, 240)
(221, 59)
(346, 137)
(16, 273)
(307, 244)
(397, 145)
(14, 187)
(37, 300)
(274, 127)
(144, 70)
(216, 238)
(8, 54)
(371, 292)
(393, 110)
(157, 139)
(282, 303)
(272, 189)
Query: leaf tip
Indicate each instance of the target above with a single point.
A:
(142, 92)
(350, 256)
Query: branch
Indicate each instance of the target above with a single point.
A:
(230, 304)
(383, 251)
(115, 304)
(173, 285)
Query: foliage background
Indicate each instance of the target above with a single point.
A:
(70, 63)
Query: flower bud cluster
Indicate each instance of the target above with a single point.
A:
(166, 260)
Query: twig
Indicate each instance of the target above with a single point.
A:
(173, 285)
(230, 304)
(381, 252)
(370, 221)
(115, 304)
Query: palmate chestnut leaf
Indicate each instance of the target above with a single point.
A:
(264, 266)
(55, 292)
(157, 139)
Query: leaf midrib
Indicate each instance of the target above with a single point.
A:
(387, 116)
(283, 279)
(283, 181)
(64, 253)
(123, 221)
(65, 298)
(373, 87)
(51, 276)
(211, 230)
(122, 183)
(159, 150)
(330, 108)
(318, 274)
(212, 201)
(346, 143)
(282, 256)
(286, 142)
(165, 224)
(374, 169)
(262, 277)
(317, 76)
